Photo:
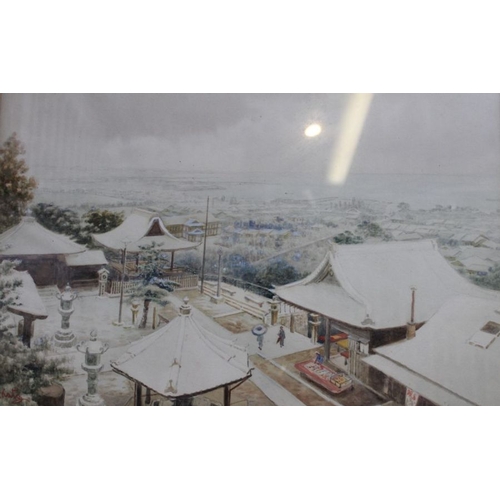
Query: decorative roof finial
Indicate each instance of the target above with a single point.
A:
(367, 320)
(185, 309)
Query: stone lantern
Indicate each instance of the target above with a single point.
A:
(134, 307)
(275, 302)
(103, 281)
(64, 336)
(93, 349)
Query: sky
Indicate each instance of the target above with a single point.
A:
(407, 134)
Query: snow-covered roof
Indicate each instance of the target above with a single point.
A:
(141, 228)
(429, 390)
(184, 358)
(88, 258)
(193, 223)
(451, 352)
(184, 219)
(477, 264)
(28, 301)
(30, 238)
(403, 236)
(370, 284)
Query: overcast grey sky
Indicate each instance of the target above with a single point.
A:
(404, 133)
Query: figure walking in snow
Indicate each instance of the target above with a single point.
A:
(260, 341)
(281, 337)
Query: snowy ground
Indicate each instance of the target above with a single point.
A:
(93, 312)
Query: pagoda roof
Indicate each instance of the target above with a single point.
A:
(142, 228)
(30, 238)
(369, 285)
(184, 358)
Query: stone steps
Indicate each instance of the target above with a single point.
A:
(253, 311)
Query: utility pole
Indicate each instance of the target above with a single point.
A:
(204, 249)
(124, 269)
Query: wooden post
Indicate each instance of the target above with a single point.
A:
(227, 396)
(148, 396)
(28, 328)
(314, 322)
(154, 318)
(138, 394)
(204, 250)
(122, 284)
(172, 254)
(327, 338)
(275, 304)
(412, 320)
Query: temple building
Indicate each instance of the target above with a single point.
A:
(377, 294)
(140, 230)
(183, 359)
(50, 258)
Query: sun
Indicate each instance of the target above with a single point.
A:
(313, 130)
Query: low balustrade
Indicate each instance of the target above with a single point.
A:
(183, 282)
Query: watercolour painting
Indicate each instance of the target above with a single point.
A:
(249, 249)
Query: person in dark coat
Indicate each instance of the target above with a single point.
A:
(281, 336)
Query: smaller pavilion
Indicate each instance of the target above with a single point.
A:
(141, 229)
(183, 359)
(28, 304)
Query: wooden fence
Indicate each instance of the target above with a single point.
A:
(184, 282)
(115, 287)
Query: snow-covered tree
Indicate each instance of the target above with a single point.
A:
(154, 284)
(8, 294)
(23, 370)
(16, 189)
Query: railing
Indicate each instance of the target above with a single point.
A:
(115, 287)
(184, 282)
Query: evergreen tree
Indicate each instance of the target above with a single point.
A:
(23, 370)
(347, 238)
(57, 219)
(279, 272)
(154, 285)
(8, 294)
(97, 221)
(16, 189)
(101, 221)
(491, 280)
